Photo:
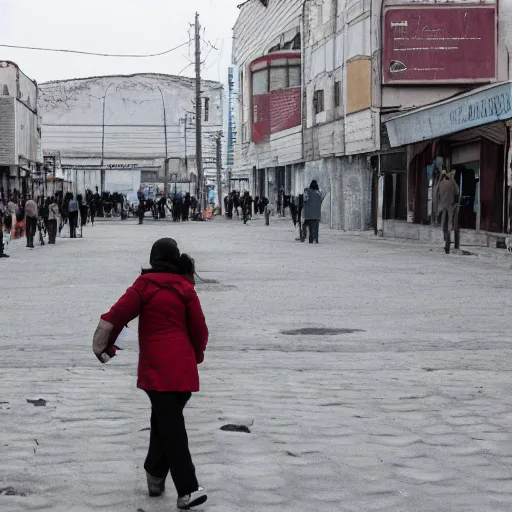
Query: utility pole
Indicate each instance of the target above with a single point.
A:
(199, 146)
(186, 157)
(166, 169)
(218, 141)
(102, 171)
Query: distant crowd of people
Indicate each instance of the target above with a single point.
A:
(180, 208)
(26, 216)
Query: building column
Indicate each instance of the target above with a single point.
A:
(380, 200)
(410, 187)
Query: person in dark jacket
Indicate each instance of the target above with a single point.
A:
(3, 210)
(185, 211)
(312, 211)
(73, 210)
(172, 338)
(31, 212)
(446, 195)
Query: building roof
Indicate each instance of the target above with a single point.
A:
(182, 80)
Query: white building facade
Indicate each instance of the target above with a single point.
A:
(20, 132)
(115, 132)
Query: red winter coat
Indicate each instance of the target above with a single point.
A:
(172, 330)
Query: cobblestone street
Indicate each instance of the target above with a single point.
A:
(407, 410)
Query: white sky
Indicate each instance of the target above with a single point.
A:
(114, 26)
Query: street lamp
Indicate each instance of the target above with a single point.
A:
(102, 171)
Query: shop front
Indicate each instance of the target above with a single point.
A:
(468, 136)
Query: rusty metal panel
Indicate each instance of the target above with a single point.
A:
(359, 86)
(439, 44)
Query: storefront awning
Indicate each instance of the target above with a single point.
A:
(476, 108)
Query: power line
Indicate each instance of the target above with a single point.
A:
(80, 52)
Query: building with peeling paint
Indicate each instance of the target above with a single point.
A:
(20, 131)
(366, 67)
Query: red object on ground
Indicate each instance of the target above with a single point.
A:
(172, 330)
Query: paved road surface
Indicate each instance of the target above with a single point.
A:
(410, 414)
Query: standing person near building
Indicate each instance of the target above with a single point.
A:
(3, 211)
(193, 206)
(11, 210)
(447, 192)
(31, 212)
(172, 339)
(142, 205)
(53, 216)
(185, 211)
(73, 216)
(84, 210)
(312, 211)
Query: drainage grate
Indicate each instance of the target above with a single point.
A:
(319, 331)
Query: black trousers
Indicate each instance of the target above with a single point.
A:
(73, 223)
(52, 231)
(168, 444)
(313, 226)
(1, 239)
(31, 227)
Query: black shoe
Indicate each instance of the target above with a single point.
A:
(3, 255)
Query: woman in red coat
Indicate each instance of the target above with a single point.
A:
(172, 339)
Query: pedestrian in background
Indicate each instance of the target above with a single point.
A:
(53, 216)
(312, 211)
(31, 212)
(172, 339)
(73, 216)
(447, 192)
(3, 211)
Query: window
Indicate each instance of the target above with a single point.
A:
(278, 78)
(294, 78)
(260, 82)
(206, 109)
(318, 101)
(337, 94)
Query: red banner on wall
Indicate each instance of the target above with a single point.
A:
(439, 44)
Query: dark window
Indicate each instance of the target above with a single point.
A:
(206, 109)
(337, 94)
(318, 101)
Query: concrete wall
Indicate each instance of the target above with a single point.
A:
(7, 131)
(27, 134)
(434, 234)
(347, 183)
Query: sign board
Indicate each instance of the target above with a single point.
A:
(455, 44)
(483, 106)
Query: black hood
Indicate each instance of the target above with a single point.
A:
(164, 252)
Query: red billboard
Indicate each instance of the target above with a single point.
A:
(439, 44)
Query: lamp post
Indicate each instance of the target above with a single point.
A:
(102, 171)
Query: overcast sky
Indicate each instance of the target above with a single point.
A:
(115, 26)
